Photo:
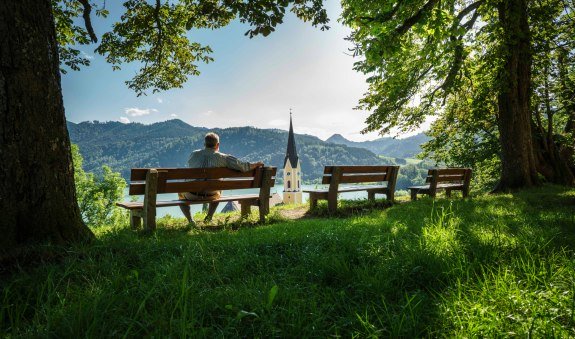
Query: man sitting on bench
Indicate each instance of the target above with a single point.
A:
(207, 158)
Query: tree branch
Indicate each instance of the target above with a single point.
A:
(468, 10)
(458, 51)
(88, 20)
(160, 31)
(381, 17)
(409, 22)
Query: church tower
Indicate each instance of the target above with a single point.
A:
(292, 171)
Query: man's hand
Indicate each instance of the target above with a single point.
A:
(256, 165)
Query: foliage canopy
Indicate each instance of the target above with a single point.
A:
(156, 33)
(447, 60)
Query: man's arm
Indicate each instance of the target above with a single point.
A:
(242, 166)
(256, 165)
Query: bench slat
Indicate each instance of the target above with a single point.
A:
(439, 186)
(451, 171)
(448, 178)
(139, 174)
(358, 169)
(349, 189)
(362, 178)
(195, 186)
(167, 203)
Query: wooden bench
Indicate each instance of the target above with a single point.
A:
(448, 179)
(150, 182)
(337, 175)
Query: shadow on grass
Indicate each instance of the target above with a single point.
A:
(348, 208)
(373, 270)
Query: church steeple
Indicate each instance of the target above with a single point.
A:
(292, 172)
(291, 152)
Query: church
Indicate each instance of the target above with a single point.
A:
(292, 171)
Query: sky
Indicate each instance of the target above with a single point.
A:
(252, 82)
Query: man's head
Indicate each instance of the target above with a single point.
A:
(212, 140)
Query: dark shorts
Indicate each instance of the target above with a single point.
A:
(200, 196)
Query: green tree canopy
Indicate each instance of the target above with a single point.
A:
(156, 33)
(467, 64)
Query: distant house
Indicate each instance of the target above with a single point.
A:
(275, 199)
(234, 206)
(231, 206)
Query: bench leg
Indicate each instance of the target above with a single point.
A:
(370, 195)
(332, 205)
(263, 212)
(135, 219)
(246, 209)
(264, 209)
(448, 193)
(465, 192)
(150, 223)
(312, 201)
(413, 194)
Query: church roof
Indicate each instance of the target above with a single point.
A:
(291, 152)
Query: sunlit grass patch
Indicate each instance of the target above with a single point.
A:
(532, 296)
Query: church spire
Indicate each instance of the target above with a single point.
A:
(291, 152)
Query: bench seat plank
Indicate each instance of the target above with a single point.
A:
(349, 189)
(133, 205)
(439, 186)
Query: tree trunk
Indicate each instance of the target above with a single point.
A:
(37, 192)
(514, 117)
(567, 93)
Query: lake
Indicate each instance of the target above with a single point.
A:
(175, 210)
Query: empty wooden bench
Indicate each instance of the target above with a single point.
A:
(150, 182)
(448, 179)
(338, 176)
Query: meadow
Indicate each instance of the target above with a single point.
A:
(489, 266)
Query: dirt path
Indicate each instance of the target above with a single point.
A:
(296, 213)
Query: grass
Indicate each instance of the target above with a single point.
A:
(491, 266)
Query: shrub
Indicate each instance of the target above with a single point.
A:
(97, 195)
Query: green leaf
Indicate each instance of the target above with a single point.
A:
(272, 295)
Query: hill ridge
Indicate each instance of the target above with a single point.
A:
(169, 143)
(391, 147)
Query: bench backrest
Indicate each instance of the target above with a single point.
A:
(448, 175)
(174, 180)
(359, 174)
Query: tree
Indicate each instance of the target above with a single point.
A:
(37, 193)
(421, 55)
(97, 195)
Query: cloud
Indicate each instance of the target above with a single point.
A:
(160, 100)
(138, 112)
(208, 113)
(124, 120)
(87, 56)
(173, 115)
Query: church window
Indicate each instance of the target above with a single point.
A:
(289, 184)
(298, 184)
(288, 173)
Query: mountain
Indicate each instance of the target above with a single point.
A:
(389, 147)
(169, 144)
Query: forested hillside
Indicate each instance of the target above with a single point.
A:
(169, 144)
(389, 147)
